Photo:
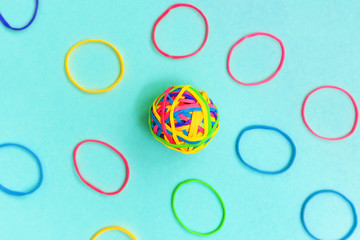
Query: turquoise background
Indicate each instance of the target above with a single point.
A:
(43, 110)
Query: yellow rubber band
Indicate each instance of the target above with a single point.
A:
(114, 228)
(99, 90)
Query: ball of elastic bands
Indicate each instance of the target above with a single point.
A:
(250, 36)
(293, 148)
(352, 229)
(91, 185)
(6, 24)
(114, 228)
(166, 13)
(16, 193)
(355, 107)
(184, 119)
(98, 90)
(217, 195)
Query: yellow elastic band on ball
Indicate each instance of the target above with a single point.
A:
(114, 228)
(99, 90)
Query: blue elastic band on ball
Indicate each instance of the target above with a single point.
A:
(6, 24)
(349, 233)
(16, 193)
(293, 148)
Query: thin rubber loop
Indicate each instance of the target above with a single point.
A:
(250, 36)
(98, 90)
(6, 24)
(91, 185)
(166, 13)
(114, 228)
(352, 229)
(17, 193)
(355, 107)
(293, 149)
(217, 195)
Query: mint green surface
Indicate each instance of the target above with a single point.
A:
(43, 110)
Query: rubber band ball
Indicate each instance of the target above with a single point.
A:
(184, 119)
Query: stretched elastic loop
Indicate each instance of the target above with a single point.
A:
(16, 193)
(352, 229)
(114, 228)
(91, 185)
(355, 107)
(166, 13)
(217, 195)
(293, 148)
(99, 90)
(6, 24)
(250, 36)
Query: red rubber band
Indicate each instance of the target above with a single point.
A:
(166, 13)
(89, 184)
(250, 36)
(355, 107)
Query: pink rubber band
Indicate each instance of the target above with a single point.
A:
(250, 36)
(355, 107)
(166, 13)
(89, 184)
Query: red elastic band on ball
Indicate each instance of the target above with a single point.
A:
(89, 184)
(166, 13)
(355, 107)
(250, 36)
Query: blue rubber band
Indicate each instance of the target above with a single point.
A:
(293, 148)
(40, 168)
(6, 24)
(349, 233)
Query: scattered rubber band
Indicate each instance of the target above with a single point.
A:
(99, 90)
(355, 107)
(89, 184)
(166, 13)
(217, 195)
(114, 228)
(6, 24)
(293, 148)
(16, 193)
(250, 36)
(352, 229)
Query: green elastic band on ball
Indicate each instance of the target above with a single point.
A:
(217, 195)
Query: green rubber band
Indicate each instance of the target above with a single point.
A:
(217, 195)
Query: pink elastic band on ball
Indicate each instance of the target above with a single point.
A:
(166, 13)
(250, 36)
(355, 107)
(89, 184)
